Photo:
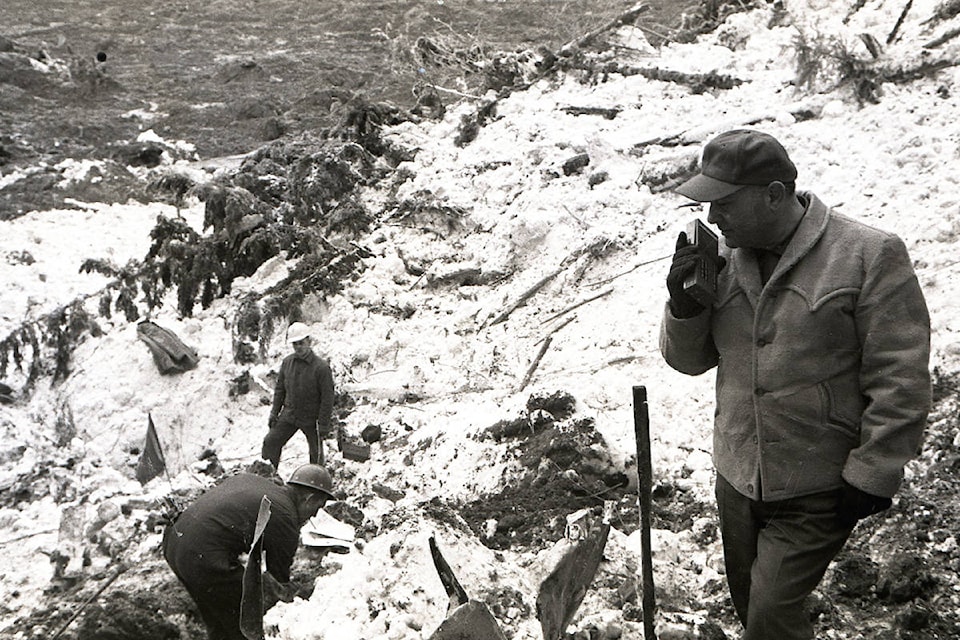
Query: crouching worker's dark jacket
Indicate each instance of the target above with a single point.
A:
(204, 545)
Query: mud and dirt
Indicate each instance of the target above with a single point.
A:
(82, 80)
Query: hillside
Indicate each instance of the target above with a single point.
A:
(486, 275)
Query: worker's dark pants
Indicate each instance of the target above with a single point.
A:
(776, 554)
(218, 600)
(281, 432)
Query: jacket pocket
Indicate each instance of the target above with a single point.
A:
(843, 407)
(812, 407)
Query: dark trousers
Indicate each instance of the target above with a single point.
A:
(281, 432)
(218, 601)
(775, 555)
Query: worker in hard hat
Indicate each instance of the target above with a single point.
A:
(302, 399)
(205, 543)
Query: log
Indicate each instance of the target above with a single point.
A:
(896, 27)
(555, 329)
(529, 293)
(629, 15)
(25, 536)
(577, 305)
(608, 113)
(536, 362)
(630, 270)
(945, 37)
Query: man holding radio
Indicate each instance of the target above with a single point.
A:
(821, 338)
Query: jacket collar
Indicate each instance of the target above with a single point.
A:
(746, 268)
(309, 356)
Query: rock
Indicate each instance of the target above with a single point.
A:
(711, 631)
(904, 578)
(108, 511)
(253, 108)
(576, 164)
(387, 493)
(628, 590)
(559, 404)
(372, 433)
(130, 615)
(597, 178)
(913, 618)
(270, 129)
(674, 631)
(855, 575)
(241, 70)
(704, 531)
(139, 154)
(6, 394)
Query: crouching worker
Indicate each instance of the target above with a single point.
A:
(205, 544)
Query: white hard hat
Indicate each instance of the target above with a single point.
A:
(297, 332)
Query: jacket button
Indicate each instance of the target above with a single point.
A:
(750, 488)
(762, 343)
(760, 391)
(756, 439)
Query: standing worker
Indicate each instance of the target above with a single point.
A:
(302, 399)
(203, 546)
(821, 339)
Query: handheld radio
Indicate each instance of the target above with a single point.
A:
(701, 284)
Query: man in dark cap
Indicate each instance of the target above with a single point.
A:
(821, 339)
(205, 544)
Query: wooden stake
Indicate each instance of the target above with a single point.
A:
(641, 421)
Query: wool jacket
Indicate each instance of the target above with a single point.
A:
(822, 372)
(304, 391)
(204, 545)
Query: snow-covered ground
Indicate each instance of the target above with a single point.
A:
(891, 164)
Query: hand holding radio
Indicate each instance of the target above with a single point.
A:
(692, 280)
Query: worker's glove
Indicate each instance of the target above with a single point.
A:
(685, 259)
(856, 504)
(275, 591)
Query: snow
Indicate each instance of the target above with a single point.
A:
(889, 164)
(57, 243)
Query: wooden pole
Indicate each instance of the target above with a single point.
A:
(123, 567)
(641, 422)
